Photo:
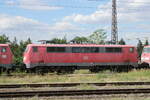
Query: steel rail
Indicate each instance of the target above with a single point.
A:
(70, 84)
(72, 92)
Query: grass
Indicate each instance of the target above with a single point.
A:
(79, 76)
(82, 76)
(85, 87)
(94, 97)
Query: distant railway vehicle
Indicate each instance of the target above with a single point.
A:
(6, 58)
(145, 57)
(69, 57)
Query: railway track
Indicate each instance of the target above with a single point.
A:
(71, 84)
(73, 93)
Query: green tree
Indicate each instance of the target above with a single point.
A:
(58, 41)
(146, 43)
(80, 40)
(139, 48)
(23, 44)
(98, 37)
(14, 47)
(15, 50)
(122, 42)
(4, 39)
(18, 49)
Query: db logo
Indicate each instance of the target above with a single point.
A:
(85, 58)
(4, 56)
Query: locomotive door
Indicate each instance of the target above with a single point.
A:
(38, 54)
(41, 54)
(126, 55)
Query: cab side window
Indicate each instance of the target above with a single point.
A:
(3, 49)
(35, 49)
(131, 50)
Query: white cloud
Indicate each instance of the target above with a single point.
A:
(64, 26)
(131, 13)
(95, 18)
(133, 37)
(128, 11)
(32, 4)
(10, 2)
(23, 28)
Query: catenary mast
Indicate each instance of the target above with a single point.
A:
(114, 29)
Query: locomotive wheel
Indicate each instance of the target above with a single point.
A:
(125, 68)
(95, 69)
(145, 66)
(28, 70)
(58, 72)
(4, 70)
(66, 70)
(41, 70)
(31, 70)
(8, 72)
(0, 71)
(71, 71)
(120, 69)
(51, 70)
(115, 69)
(61, 71)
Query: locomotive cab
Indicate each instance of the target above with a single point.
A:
(145, 57)
(6, 57)
(26, 56)
(33, 56)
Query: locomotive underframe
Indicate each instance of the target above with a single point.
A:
(81, 65)
(7, 66)
(71, 67)
(144, 65)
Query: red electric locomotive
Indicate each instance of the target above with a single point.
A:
(6, 58)
(68, 57)
(145, 58)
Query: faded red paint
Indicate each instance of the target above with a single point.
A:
(145, 57)
(43, 57)
(6, 57)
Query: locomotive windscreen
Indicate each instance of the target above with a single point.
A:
(146, 50)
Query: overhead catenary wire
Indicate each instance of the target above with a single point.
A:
(128, 10)
(79, 7)
(46, 4)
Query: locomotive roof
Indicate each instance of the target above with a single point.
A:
(4, 44)
(79, 45)
(148, 46)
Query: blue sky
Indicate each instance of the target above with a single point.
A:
(47, 19)
(68, 7)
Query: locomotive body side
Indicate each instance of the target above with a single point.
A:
(6, 56)
(80, 56)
